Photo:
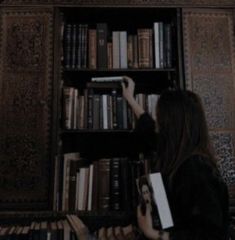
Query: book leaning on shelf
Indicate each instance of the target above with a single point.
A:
(152, 194)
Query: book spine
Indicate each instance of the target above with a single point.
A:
(116, 49)
(168, 44)
(119, 112)
(135, 52)
(90, 187)
(104, 184)
(161, 50)
(75, 109)
(125, 198)
(85, 46)
(72, 184)
(95, 192)
(156, 44)
(105, 110)
(124, 107)
(110, 55)
(102, 56)
(92, 49)
(115, 184)
(74, 45)
(123, 49)
(150, 48)
(110, 112)
(67, 46)
(68, 106)
(79, 46)
(130, 57)
(81, 112)
(143, 47)
(89, 109)
(114, 108)
(96, 112)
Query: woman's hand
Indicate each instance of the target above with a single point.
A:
(146, 225)
(145, 221)
(128, 94)
(128, 90)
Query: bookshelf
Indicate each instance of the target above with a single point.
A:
(33, 134)
(113, 139)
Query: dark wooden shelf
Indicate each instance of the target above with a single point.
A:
(122, 70)
(39, 214)
(93, 219)
(96, 131)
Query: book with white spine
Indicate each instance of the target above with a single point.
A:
(153, 195)
(107, 79)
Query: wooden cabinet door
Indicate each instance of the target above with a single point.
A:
(26, 41)
(210, 72)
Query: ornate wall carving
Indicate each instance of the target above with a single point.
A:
(25, 106)
(125, 2)
(209, 66)
(224, 145)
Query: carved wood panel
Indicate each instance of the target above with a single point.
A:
(26, 2)
(209, 66)
(25, 107)
(125, 2)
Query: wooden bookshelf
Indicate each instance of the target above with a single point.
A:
(31, 114)
(113, 141)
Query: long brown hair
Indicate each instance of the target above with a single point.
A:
(182, 130)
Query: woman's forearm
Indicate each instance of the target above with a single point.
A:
(128, 94)
(137, 108)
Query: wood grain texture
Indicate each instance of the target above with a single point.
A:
(192, 3)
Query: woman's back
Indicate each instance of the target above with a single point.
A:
(199, 201)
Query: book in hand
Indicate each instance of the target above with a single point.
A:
(152, 191)
(108, 79)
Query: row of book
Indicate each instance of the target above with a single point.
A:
(95, 110)
(106, 184)
(86, 47)
(99, 185)
(69, 228)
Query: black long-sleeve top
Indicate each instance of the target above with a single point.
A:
(198, 197)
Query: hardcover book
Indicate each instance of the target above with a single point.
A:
(152, 194)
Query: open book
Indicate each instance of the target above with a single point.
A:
(152, 191)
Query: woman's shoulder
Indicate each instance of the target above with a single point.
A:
(198, 167)
(198, 162)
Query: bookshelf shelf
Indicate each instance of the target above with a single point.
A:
(121, 70)
(88, 217)
(54, 214)
(98, 131)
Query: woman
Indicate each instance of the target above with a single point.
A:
(197, 195)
